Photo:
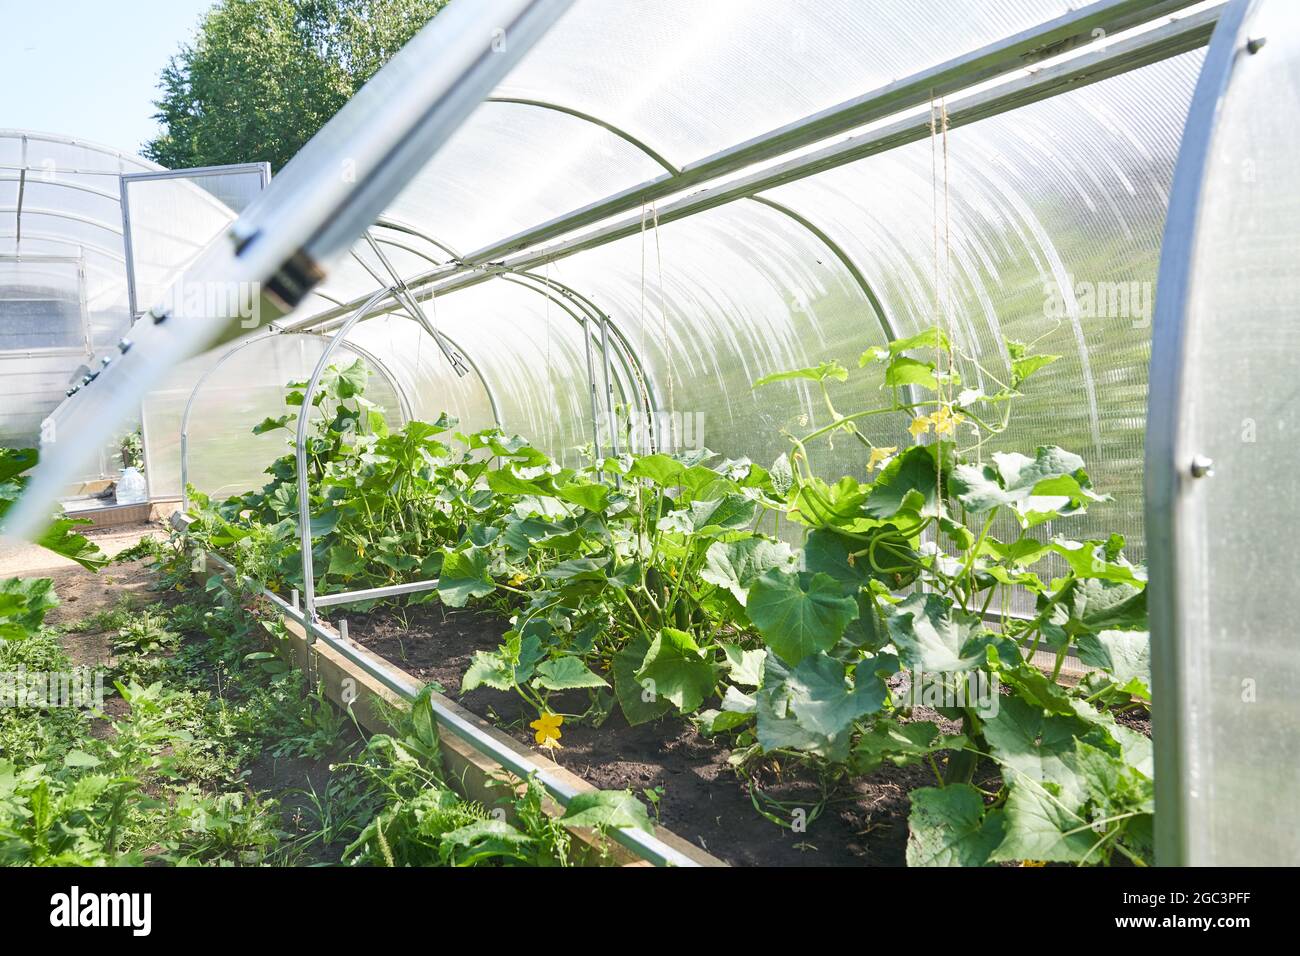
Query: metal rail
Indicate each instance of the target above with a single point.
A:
(372, 594)
(1117, 57)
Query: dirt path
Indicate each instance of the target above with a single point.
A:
(82, 593)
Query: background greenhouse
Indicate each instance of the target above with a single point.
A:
(798, 433)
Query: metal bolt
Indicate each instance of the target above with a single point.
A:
(106, 360)
(1202, 466)
(124, 346)
(1255, 44)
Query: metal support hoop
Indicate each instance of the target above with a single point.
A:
(304, 502)
(525, 250)
(632, 361)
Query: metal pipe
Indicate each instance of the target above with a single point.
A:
(597, 448)
(1118, 57)
(609, 389)
(300, 444)
(372, 594)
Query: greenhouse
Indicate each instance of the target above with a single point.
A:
(697, 434)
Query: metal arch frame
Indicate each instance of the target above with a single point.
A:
(1118, 56)
(413, 310)
(1166, 457)
(388, 222)
(567, 302)
(652, 396)
(411, 305)
(633, 366)
(478, 373)
(300, 448)
(586, 346)
(239, 347)
(882, 315)
(595, 121)
(886, 322)
(423, 321)
(633, 363)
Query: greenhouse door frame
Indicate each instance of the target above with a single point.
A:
(196, 172)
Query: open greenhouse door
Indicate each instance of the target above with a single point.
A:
(1223, 486)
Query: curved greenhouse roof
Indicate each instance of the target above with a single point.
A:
(1033, 213)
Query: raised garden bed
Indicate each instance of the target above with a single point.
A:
(703, 798)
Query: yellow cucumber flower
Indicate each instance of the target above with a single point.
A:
(919, 426)
(879, 456)
(548, 730)
(945, 421)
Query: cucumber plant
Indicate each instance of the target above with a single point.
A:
(647, 583)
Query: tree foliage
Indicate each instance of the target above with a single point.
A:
(262, 76)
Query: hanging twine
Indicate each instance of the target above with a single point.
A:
(663, 320)
(550, 365)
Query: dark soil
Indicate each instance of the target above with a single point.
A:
(292, 781)
(704, 800)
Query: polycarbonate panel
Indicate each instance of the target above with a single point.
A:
(747, 291)
(41, 305)
(1054, 215)
(172, 221)
(225, 457)
(690, 78)
(529, 351)
(422, 373)
(1223, 593)
(511, 166)
(70, 210)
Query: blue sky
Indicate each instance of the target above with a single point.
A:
(89, 68)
